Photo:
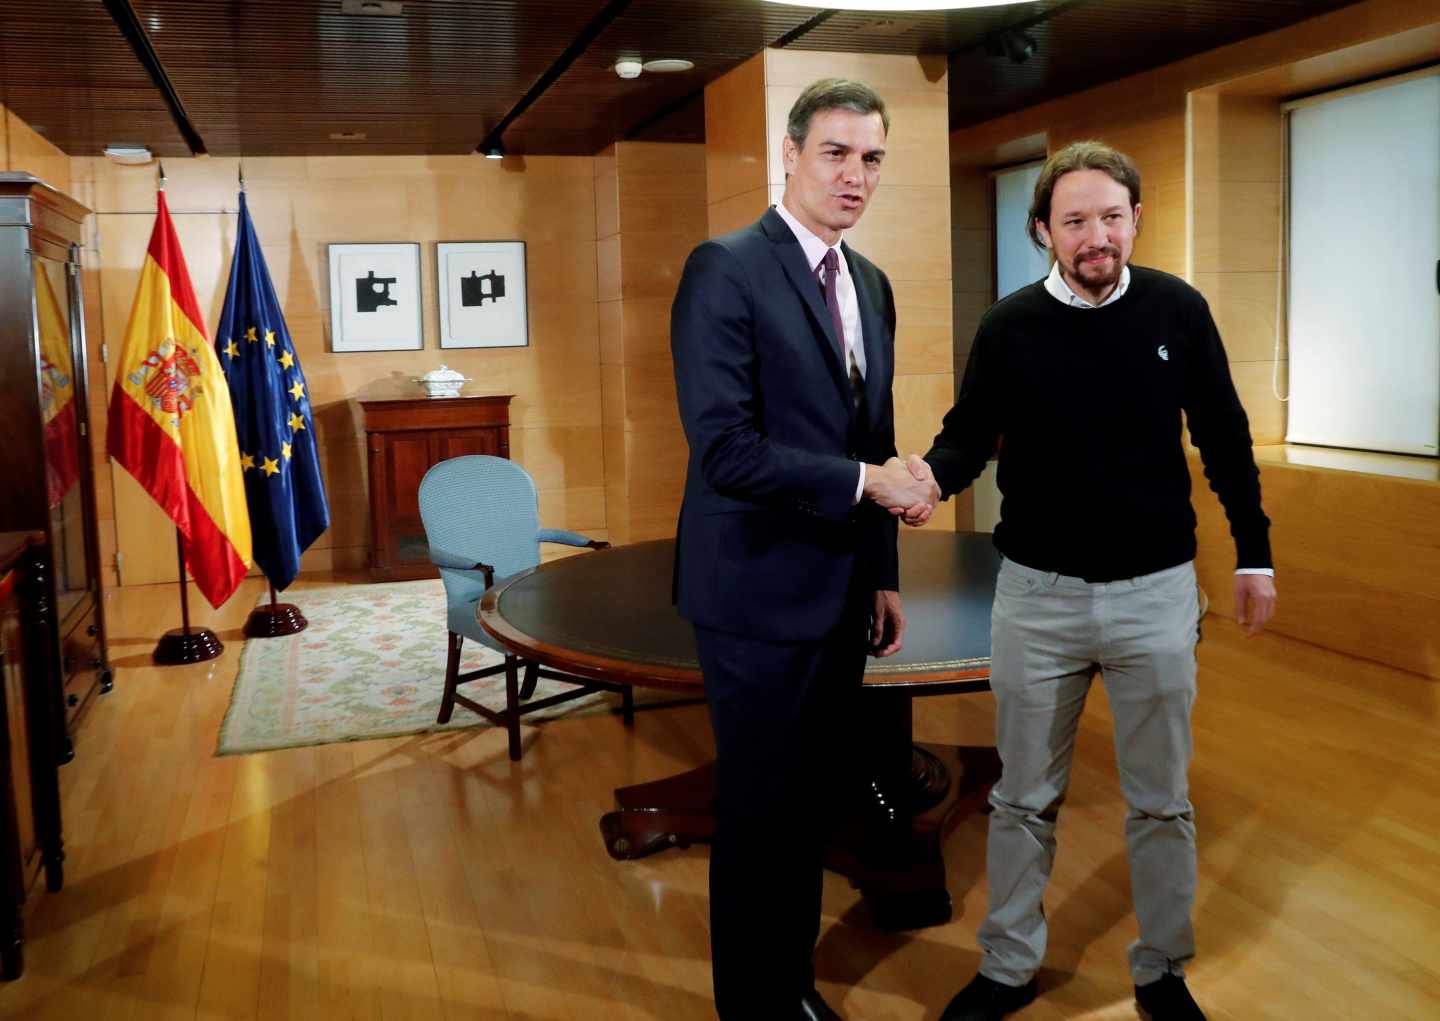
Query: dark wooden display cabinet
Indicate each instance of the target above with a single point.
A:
(29, 782)
(405, 436)
(46, 457)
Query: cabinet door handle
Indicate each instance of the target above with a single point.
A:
(93, 630)
(72, 701)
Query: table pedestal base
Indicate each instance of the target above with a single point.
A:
(888, 845)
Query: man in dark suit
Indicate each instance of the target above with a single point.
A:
(786, 560)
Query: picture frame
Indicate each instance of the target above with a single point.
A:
(480, 286)
(375, 297)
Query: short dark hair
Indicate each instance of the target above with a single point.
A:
(1087, 155)
(833, 94)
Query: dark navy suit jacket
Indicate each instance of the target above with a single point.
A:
(770, 541)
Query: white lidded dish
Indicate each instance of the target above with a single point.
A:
(442, 382)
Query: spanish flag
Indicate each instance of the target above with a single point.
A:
(171, 425)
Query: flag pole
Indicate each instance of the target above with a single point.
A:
(182, 644)
(275, 620)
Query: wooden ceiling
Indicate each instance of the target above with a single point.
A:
(285, 77)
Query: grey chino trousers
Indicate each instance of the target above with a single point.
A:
(1049, 635)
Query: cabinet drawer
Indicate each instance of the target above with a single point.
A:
(80, 663)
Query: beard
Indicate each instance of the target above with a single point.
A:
(1096, 278)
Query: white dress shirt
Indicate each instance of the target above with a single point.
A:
(1060, 291)
(815, 249)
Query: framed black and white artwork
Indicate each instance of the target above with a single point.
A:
(375, 297)
(481, 288)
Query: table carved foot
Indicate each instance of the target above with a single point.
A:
(888, 845)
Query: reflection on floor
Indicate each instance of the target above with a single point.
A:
(430, 877)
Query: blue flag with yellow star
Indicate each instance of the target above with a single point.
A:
(273, 419)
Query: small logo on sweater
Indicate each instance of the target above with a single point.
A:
(1163, 352)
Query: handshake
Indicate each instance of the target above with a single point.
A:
(905, 488)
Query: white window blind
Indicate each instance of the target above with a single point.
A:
(1017, 261)
(1364, 244)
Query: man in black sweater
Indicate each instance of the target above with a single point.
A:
(1081, 379)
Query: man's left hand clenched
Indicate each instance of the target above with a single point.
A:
(887, 628)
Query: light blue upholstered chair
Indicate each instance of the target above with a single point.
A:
(482, 523)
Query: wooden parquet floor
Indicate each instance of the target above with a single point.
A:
(429, 877)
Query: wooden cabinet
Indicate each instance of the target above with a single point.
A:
(46, 458)
(30, 792)
(404, 437)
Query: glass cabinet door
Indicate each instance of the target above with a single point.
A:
(60, 394)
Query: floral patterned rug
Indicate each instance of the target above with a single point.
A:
(371, 664)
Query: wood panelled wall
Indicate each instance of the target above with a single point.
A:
(23, 148)
(649, 214)
(904, 231)
(1357, 561)
(1210, 166)
(301, 204)
(1236, 252)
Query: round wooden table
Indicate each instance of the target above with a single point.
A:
(608, 615)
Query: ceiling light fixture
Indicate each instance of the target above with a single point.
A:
(669, 65)
(373, 8)
(129, 155)
(493, 151)
(628, 67)
(898, 5)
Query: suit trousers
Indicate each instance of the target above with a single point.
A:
(785, 719)
(1049, 635)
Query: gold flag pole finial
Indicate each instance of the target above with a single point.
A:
(242, 177)
(162, 176)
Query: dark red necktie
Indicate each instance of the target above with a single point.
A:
(829, 285)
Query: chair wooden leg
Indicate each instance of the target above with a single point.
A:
(452, 670)
(627, 705)
(532, 678)
(512, 705)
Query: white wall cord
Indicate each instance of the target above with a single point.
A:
(1284, 251)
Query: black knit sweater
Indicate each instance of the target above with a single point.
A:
(1086, 407)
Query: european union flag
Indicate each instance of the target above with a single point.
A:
(273, 420)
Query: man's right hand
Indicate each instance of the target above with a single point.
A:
(921, 471)
(895, 488)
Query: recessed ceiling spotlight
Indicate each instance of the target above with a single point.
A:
(1018, 46)
(494, 151)
(668, 65)
(347, 136)
(129, 155)
(898, 5)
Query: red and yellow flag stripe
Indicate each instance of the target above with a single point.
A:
(171, 425)
(57, 392)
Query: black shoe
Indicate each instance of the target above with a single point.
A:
(1167, 1000)
(984, 999)
(813, 1008)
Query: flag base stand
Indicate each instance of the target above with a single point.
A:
(187, 645)
(275, 620)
